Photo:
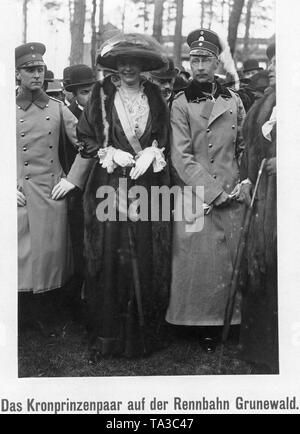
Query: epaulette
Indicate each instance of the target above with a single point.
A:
(55, 99)
(178, 94)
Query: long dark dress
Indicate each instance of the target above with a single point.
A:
(114, 324)
(259, 330)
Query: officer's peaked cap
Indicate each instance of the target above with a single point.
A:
(204, 39)
(30, 54)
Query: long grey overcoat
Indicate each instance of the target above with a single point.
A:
(44, 248)
(206, 145)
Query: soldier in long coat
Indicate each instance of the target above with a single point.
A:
(44, 249)
(205, 149)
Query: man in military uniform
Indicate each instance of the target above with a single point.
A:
(205, 149)
(44, 250)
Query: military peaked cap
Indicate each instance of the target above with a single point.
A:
(204, 39)
(30, 54)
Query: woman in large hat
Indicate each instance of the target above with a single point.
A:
(124, 127)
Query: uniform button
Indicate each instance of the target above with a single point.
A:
(26, 163)
(50, 146)
(233, 127)
(49, 132)
(24, 148)
(212, 160)
(26, 177)
(210, 145)
(47, 118)
(208, 130)
(215, 176)
(230, 111)
(19, 107)
(22, 134)
(47, 105)
(21, 120)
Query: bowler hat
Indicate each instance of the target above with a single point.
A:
(251, 65)
(80, 75)
(49, 76)
(54, 86)
(271, 50)
(204, 40)
(143, 48)
(66, 75)
(30, 54)
(166, 74)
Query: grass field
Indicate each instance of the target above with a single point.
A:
(66, 356)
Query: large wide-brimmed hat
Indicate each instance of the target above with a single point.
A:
(141, 47)
(80, 75)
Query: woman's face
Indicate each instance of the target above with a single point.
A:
(129, 70)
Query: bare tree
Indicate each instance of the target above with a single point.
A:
(211, 13)
(25, 10)
(93, 28)
(101, 14)
(178, 33)
(158, 19)
(203, 5)
(77, 21)
(233, 24)
(247, 26)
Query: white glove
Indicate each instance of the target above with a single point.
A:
(21, 199)
(61, 189)
(122, 158)
(142, 163)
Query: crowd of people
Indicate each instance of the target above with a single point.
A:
(101, 259)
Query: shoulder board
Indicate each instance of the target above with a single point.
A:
(57, 100)
(178, 94)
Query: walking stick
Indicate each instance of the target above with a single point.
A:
(136, 284)
(236, 268)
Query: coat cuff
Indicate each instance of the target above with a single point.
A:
(106, 156)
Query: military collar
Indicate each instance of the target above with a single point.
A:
(25, 98)
(195, 91)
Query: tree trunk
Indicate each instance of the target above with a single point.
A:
(77, 32)
(202, 13)
(247, 27)
(158, 19)
(25, 6)
(233, 24)
(178, 33)
(93, 39)
(101, 15)
(211, 12)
